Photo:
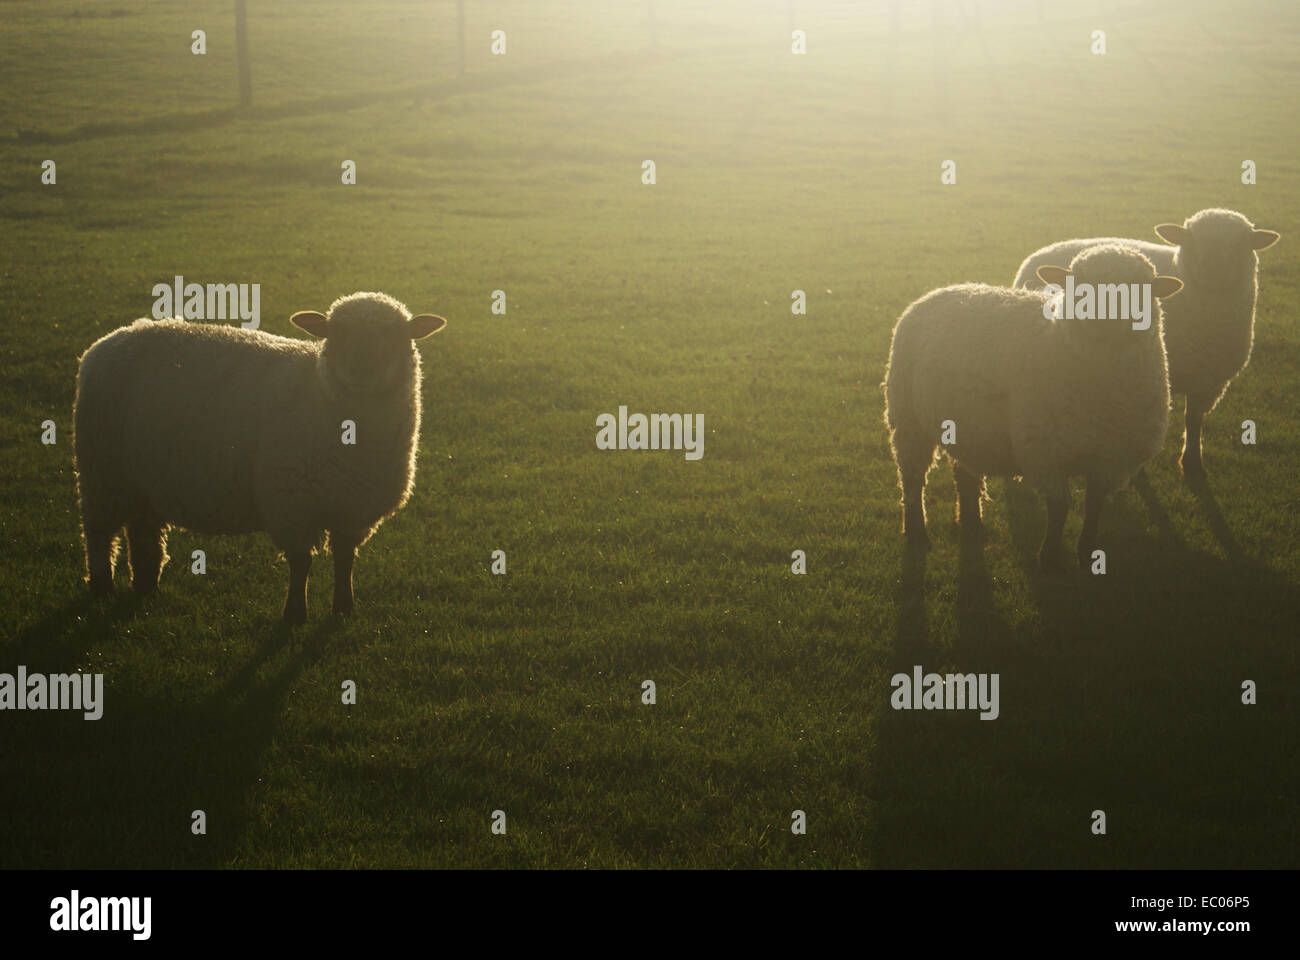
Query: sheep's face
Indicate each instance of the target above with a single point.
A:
(370, 360)
(369, 342)
(1219, 245)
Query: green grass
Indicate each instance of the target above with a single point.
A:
(522, 692)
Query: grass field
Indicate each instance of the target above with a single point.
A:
(521, 692)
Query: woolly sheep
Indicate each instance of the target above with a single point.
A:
(1029, 395)
(223, 430)
(1209, 329)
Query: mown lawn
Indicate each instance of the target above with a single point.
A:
(522, 692)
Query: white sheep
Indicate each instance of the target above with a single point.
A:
(218, 429)
(1027, 395)
(1209, 329)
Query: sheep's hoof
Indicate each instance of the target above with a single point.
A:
(295, 616)
(972, 531)
(101, 588)
(343, 609)
(916, 539)
(144, 589)
(1193, 471)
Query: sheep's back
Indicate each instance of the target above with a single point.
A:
(1060, 254)
(179, 410)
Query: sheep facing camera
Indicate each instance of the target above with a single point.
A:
(221, 430)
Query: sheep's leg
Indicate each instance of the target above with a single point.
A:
(969, 487)
(295, 603)
(1058, 505)
(147, 545)
(344, 548)
(101, 552)
(1190, 461)
(1093, 500)
(913, 463)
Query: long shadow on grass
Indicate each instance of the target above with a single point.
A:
(1214, 517)
(1125, 696)
(120, 791)
(1209, 508)
(1149, 666)
(1156, 509)
(911, 634)
(932, 805)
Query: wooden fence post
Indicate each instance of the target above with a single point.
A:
(241, 53)
(460, 38)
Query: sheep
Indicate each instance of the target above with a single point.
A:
(218, 430)
(1027, 394)
(1209, 329)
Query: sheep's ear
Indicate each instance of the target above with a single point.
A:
(425, 324)
(317, 324)
(1172, 234)
(1263, 239)
(1054, 275)
(1165, 287)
